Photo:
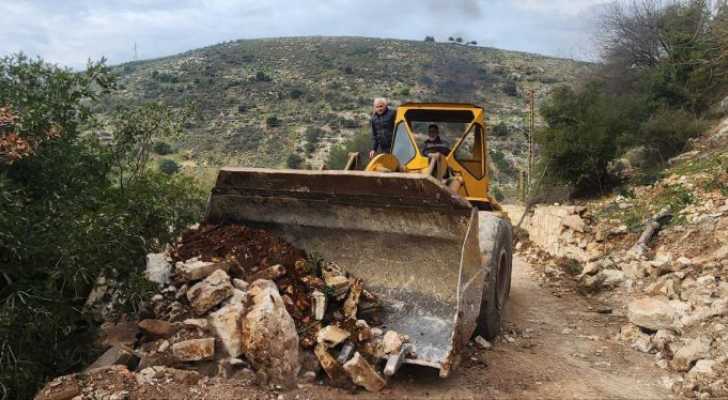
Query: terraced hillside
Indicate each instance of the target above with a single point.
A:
(256, 102)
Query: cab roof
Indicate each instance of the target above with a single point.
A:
(446, 106)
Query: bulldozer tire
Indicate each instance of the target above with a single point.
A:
(497, 257)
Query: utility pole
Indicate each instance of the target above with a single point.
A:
(531, 125)
(136, 55)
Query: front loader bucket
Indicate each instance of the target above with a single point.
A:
(414, 242)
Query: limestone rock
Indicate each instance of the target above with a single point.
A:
(194, 270)
(702, 369)
(226, 323)
(270, 273)
(651, 313)
(693, 350)
(363, 374)
(194, 349)
(114, 356)
(210, 292)
(161, 374)
(157, 328)
(392, 342)
(574, 222)
(332, 336)
(331, 367)
(158, 270)
(270, 340)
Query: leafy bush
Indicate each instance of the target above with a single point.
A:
(501, 130)
(261, 76)
(313, 136)
(168, 166)
(294, 161)
(72, 212)
(510, 88)
(272, 122)
(162, 148)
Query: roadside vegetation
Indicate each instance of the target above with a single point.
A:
(74, 209)
(664, 65)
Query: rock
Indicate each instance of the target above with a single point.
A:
(199, 323)
(194, 270)
(612, 277)
(63, 388)
(692, 351)
(651, 313)
(270, 340)
(574, 222)
(158, 270)
(163, 346)
(352, 301)
(318, 305)
(392, 342)
(643, 344)
(592, 283)
(363, 374)
(331, 336)
(339, 284)
(240, 284)
(271, 273)
(239, 297)
(210, 292)
(702, 369)
(718, 308)
(114, 356)
(157, 328)
(161, 374)
(336, 373)
(226, 323)
(121, 334)
(482, 343)
(662, 339)
(194, 349)
(591, 268)
(629, 333)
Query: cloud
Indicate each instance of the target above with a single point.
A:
(70, 32)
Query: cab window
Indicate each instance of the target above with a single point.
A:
(469, 152)
(402, 148)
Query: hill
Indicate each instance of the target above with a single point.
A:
(256, 102)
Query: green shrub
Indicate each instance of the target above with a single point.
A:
(169, 167)
(294, 161)
(72, 212)
(272, 122)
(163, 148)
(501, 130)
(261, 76)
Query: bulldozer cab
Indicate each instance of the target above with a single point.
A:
(463, 170)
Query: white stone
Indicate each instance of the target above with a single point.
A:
(210, 292)
(193, 270)
(651, 313)
(226, 323)
(270, 340)
(194, 349)
(158, 270)
(392, 342)
(702, 369)
(693, 350)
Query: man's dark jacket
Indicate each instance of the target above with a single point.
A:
(382, 128)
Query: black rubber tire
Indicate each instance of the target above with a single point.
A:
(497, 259)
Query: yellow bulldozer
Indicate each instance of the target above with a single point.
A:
(420, 229)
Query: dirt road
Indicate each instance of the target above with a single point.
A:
(553, 347)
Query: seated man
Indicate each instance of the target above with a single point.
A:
(434, 144)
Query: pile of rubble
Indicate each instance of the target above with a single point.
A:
(242, 304)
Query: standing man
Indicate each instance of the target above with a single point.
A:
(382, 123)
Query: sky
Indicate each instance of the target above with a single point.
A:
(69, 32)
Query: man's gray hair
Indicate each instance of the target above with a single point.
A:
(381, 100)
